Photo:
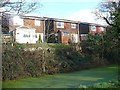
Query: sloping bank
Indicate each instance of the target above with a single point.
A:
(32, 62)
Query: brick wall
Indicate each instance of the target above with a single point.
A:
(31, 23)
(67, 26)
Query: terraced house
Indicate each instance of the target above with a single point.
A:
(52, 28)
(65, 30)
(90, 28)
(31, 29)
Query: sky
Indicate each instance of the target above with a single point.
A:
(77, 10)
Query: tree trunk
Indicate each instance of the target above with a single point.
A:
(43, 62)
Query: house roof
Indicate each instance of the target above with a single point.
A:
(59, 20)
(33, 17)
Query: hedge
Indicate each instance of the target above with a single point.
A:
(21, 62)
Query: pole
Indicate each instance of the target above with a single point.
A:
(0, 50)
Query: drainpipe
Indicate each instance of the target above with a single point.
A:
(78, 32)
(44, 30)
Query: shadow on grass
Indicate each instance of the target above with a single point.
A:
(66, 80)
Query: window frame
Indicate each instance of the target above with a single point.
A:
(59, 24)
(37, 22)
(93, 29)
(73, 25)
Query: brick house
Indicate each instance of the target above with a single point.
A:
(61, 30)
(53, 25)
(100, 29)
(87, 28)
(35, 22)
(96, 28)
(83, 30)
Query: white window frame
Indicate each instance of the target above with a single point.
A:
(93, 28)
(37, 22)
(73, 25)
(101, 29)
(60, 24)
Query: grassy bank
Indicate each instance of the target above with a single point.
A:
(67, 80)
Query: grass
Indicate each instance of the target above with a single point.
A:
(67, 80)
(58, 45)
(43, 45)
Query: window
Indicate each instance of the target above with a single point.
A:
(101, 29)
(65, 33)
(60, 24)
(37, 22)
(26, 35)
(35, 36)
(93, 28)
(84, 28)
(73, 25)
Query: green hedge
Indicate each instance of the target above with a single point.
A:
(19, 63)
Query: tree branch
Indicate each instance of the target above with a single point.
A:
(108, 22)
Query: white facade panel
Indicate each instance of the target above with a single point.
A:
(75, 38)
(26, 35)
(37, 22)
(17, 21)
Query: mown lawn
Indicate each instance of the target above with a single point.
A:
(67, 80)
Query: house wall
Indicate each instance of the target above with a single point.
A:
(25, 35)
(73, 32)
(97, 29)
(31, 23)
(92, 28)
(63, 38)
(100, 29)
(67, 26)
(86, 28)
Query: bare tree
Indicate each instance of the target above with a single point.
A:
(9, 8)
(19, 7)
(109, 10)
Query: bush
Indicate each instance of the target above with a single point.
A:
(19, 63)
(110, 84)
(23, 62)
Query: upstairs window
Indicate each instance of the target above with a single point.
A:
(73, 25)
(60, 24)
(93, 28)
(101, 29)
(37, 22)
